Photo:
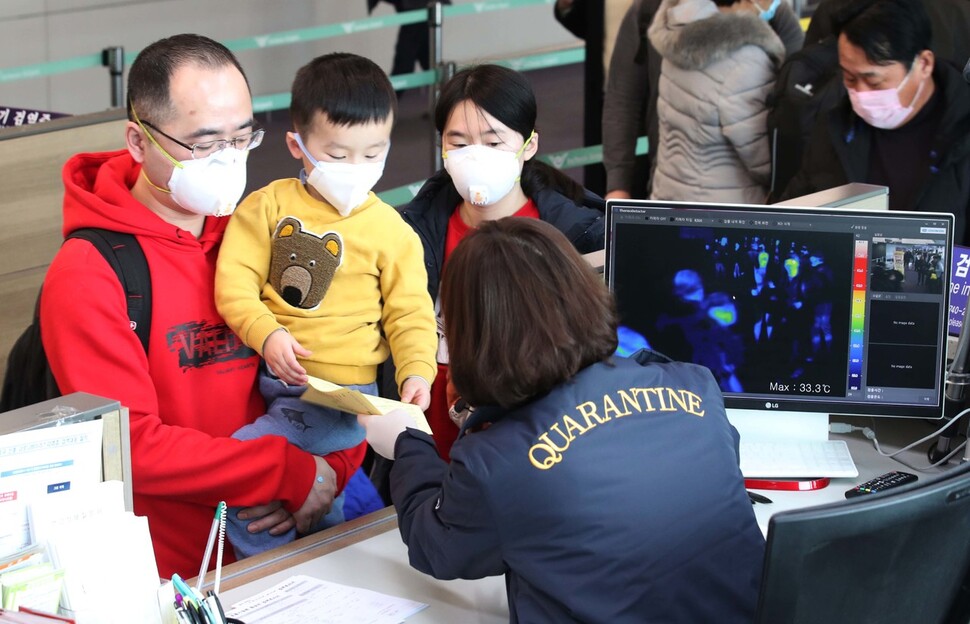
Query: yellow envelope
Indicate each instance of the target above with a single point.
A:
(322, 392)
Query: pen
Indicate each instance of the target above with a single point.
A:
(215, 607)
(757, 498)
(182, 615)
(222, 543)
(220, 512)
(183, 589)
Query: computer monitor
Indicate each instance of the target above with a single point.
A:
(798, 312)
(899, 556)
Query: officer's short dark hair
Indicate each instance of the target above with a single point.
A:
(150, 76)
(888, 31)
(523, 312)
(348, 88)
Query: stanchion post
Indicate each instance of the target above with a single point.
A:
(435, 12)
(114, 59)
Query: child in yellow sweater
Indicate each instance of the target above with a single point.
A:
(321, 277)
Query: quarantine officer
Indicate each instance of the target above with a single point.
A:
(606, 489)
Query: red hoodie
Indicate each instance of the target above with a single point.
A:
(195, 387)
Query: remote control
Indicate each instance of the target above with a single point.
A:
(880, 483)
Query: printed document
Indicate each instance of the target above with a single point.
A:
(309, 600)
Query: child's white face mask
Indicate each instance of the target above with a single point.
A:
(344, 185)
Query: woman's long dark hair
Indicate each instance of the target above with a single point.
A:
(506, 95)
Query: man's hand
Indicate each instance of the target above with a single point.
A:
(280, 351)
(271, 516)
(382, 431)
(417, 391)
(320, 498)
(618, 194)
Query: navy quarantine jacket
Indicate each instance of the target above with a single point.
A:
(614, 498)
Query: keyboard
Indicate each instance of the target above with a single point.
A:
(795, 459)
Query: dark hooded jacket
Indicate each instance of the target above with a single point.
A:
(838, 153)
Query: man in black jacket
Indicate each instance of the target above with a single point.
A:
(903, 120)
(413, 41)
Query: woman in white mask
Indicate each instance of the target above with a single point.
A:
(902, 122)
(486, 117)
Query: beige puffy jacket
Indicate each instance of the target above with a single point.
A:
(717, 71)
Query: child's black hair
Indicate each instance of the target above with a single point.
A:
(348, 88)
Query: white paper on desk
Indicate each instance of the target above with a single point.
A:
(110, 575)
(43, 462)
(309, 600)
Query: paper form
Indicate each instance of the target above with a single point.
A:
(327, 394)
(43, 462)
(309, 600)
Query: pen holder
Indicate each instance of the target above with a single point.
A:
(166, 603)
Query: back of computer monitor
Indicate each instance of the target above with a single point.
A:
(902, 556)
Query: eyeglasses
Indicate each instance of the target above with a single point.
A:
(203, 150)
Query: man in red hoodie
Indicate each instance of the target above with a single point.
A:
(184, 167)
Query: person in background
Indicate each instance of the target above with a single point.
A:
(486, 116)
(903, 120)
(184, 164)
(720, 59)
(570, 14)
(630, 102)
(321, 277)
(413, 40)
(569, 476)
(949, 22)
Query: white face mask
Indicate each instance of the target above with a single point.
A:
(212, 185)
(483, 175)
(344, 185)
(881, 108)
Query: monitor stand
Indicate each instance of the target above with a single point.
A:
(762, 425)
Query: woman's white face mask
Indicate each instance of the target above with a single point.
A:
(345, 185)
(484, 175)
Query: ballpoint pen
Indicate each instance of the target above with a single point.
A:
(183, 615)
(193, 599)
(216, 522)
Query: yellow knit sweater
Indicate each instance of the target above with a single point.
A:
(291, 261)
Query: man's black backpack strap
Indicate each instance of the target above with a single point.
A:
(28, 378)
(126, 257)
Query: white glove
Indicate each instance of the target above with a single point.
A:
(382, 431)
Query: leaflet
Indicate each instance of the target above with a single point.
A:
(327, 394)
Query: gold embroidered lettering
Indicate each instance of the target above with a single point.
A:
(572, 425)
(676, 397)
(548, 461)
(693, 402)
(588, 410)
(610, 406)
(646, 397)
(629, 401)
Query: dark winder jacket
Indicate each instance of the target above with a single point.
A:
(838, 153)
(429, 211)
(616, 497)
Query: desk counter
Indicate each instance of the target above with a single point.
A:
(368, 553)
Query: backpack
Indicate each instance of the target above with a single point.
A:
(805, 88)
(28, 378)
